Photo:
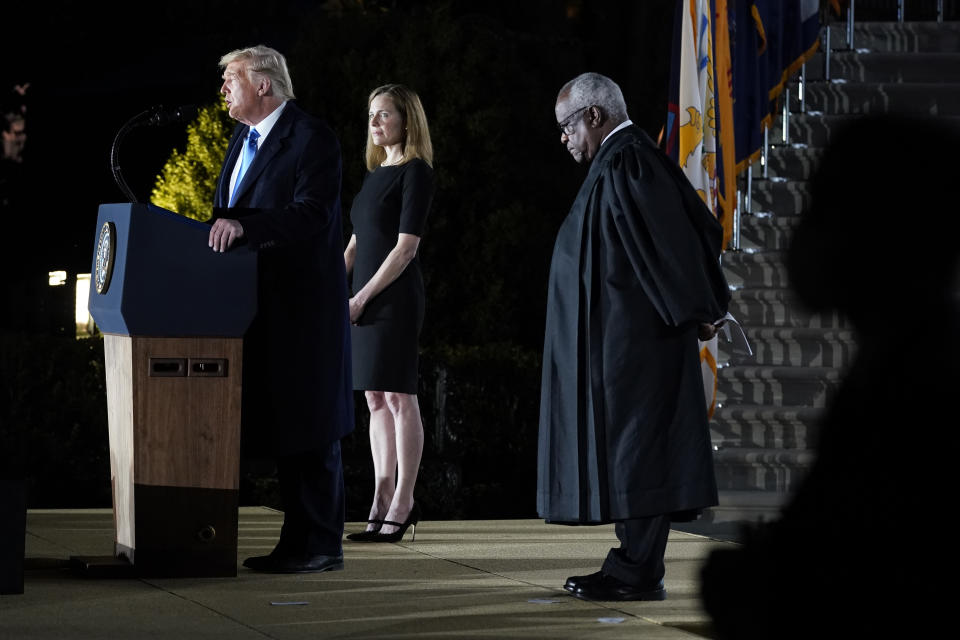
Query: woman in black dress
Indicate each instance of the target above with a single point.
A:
(386, 310)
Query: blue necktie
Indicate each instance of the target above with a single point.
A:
(249, 150)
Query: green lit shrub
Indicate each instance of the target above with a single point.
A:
(189, 178)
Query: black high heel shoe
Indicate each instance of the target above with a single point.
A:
(366, 536)
(412, 519)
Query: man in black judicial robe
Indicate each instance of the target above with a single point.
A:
(634, 280)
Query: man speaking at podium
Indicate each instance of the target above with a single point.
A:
(279, 194)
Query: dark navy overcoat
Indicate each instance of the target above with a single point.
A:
(296, 369)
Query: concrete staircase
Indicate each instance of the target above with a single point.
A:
(765, 427)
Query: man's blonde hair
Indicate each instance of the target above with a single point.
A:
(266, 62)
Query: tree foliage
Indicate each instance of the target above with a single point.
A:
(188, 180)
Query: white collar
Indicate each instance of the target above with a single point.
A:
(264, 126)
(623, 125)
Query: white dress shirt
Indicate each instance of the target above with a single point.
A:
(263, 128)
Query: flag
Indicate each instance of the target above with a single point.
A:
(726, 165)
(751, 104)
(797, 39)
(730, 61)
(692, 123)
(769, 42)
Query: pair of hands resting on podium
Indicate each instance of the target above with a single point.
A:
(223, 233)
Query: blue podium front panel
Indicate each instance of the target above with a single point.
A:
(154, 275)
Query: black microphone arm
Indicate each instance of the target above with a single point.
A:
(152, 117)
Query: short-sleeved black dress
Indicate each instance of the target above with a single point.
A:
(392, 200)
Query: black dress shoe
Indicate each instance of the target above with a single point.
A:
(259, 563)
(609, 589)
(302, 564)
(575, 581)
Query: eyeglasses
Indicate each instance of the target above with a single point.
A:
(565, 125)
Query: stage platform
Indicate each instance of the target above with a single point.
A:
(458, 579)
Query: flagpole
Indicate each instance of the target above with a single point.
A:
(736, 223)
(803, 88)
(765, 158)
(850, 26)
(786, 116)
(826, 56)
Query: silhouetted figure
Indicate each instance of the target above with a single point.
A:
(857, 546)
(29, 303)
(14, 134)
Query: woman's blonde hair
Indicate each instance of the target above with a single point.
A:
(416, 140)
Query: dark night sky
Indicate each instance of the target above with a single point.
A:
(93, 66)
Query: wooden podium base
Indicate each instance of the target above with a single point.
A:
(174, 413)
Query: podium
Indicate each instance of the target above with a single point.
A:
(173, 313)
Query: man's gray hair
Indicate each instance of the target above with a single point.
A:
(265, 61)
(595, 89)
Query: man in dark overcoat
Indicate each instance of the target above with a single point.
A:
(279, 193)
(634, 280)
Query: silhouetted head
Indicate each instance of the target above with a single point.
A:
(880, 236)
(14, 135)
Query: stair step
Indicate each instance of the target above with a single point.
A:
(766, 232)
(794, 162)
(780, 308)
(780, 386)
(915, 98)
(887, 67)
(815, 130)
(777, 470)
(758, 269)
(792, 347)
(737, 508)
(896, 36)
(764, 426)
(779, 197)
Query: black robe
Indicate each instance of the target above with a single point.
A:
(623, 423)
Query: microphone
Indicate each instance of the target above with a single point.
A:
(153, 117)
(161, 116)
